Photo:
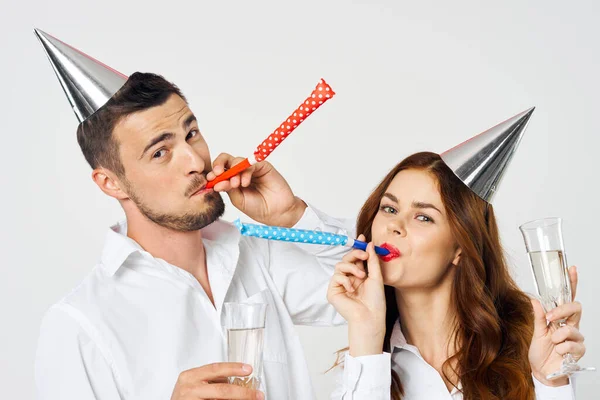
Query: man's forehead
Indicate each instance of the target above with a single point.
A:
(158, 119)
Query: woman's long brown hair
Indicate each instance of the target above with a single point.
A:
(494, 318)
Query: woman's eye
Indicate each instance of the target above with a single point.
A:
(424, 218)
(159, 153)
(388, 209)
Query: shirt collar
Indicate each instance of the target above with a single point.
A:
(397, 340)
(118, 246)
(222, 240)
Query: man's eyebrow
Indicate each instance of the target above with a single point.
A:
(188, 121)
(160, 138)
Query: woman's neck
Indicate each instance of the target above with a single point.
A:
(427, 318)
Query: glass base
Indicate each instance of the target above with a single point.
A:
(568, 369)
(251, 382)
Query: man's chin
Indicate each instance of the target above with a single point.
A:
(212, 205)
(212, 209)
(205, 214)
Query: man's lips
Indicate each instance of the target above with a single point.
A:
(200, 190)
(394, 252)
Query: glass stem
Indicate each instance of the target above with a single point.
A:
(567, 358)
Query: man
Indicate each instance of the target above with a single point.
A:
(147, 321)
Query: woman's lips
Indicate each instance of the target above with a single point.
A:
(394, 252)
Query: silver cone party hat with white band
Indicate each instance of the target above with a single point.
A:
(88, 83)
(481, 161)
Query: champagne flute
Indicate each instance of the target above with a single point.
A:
(545, 247)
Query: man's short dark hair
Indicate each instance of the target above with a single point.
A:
(140, 92)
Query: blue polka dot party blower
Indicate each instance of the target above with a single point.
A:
(303, 236)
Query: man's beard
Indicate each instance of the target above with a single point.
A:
(214, 209)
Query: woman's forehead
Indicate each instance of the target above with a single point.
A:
(415, 185)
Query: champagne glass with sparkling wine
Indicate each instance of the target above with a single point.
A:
(245, 324)
(546, 250)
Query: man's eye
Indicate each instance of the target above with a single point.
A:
(193, 132)
(160, 153)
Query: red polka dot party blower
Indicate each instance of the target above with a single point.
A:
(317, 98)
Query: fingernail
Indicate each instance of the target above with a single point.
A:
(246, 368)
(549, 316)
(260, 396)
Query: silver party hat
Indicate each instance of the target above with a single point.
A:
(481, 161)
(87, 82)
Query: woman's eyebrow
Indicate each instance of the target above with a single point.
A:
(420, 204)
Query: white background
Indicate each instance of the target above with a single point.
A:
(409, 76)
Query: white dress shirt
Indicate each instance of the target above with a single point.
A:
(369, 377)
(136, 322)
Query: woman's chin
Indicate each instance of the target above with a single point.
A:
(392, 274)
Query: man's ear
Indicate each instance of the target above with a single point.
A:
(109, 183)
(457, 257)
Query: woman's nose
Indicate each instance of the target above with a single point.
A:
(397, 228)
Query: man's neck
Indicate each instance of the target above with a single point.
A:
(184, 250)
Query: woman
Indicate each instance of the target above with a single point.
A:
(452, 318)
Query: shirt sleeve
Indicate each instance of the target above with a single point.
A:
(302, 272)
(364, 378)
(543, 392)
(314, 219)
(68, 364)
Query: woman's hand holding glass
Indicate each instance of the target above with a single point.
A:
(557, 346)
(552, 342)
